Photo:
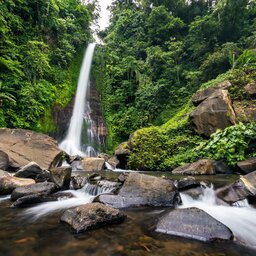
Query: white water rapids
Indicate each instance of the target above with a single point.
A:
(241, 219)
(72, 143)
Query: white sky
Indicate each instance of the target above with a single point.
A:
(104, 14)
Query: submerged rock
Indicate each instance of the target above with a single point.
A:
(193, 223)
(32, 170)
(201, 167)
(4, 161)
(91, 216)
(61, 176)
(93, 164)
(9, 183)
(239, 190)
(216, 112)
(143, 190)
(43, 188)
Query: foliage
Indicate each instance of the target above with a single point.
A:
(231, 144)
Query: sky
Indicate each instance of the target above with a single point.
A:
(104, 14)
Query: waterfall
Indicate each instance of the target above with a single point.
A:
(81, 112)
(239, 218)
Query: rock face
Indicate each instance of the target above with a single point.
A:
(143, 190)
(215, 112)
(43, 188)
(91, 216)
(93, 164)
(201, 167)
(239, 190)
(61, 176)
(25, 146)
(193, 223)
(9, 183)
(248, 165)
(4, 161)
(245, 110)
(32, 170)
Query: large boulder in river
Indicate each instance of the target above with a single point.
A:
(43, 188)
(61, 176)
(143, 190)
(91, 216)
(93, 164)
(239, 190)
(201, 167)
(25, 146)
(248, 165)
(121, 154)
(9, 183)
(4, 161)
(216, 112)
(32, 170)
(193, 223)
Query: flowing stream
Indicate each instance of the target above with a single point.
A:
(81, 112)
(239, 218)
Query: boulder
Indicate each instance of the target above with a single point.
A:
(143, 190)
(216, 112)
(245, 110)
(32, 170)
(4, 161)
(4, 173)
(61, 176)
(202, 95)
(113, 161)
(43, 188)
(250, 89)
(93, 164)
(91, 216)
(222, 168)
(25, 146)
(9, 183)
(201, 167)
(193, 223)
(248, 165)
(77, 182)
(186, 183)
(239, 190)
(121, 154)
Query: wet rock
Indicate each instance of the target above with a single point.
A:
(4, 161)
(25, 146)
(33, 171)
(95, 177)
(222, 168)
(43, 188)
(122, 177)
(248, 165)
(189, 182)
(58, 160)
(250, 89)
(201, 167)
(239, 190)
(9, 183)
(77, 182)
(143, 190)
(216, 112)
(109, 185)
(4, 173)
(121, 154)
(91, 216)
(93, 164)
(193, 192)
(61, 176)
(113, 161)
(193, 223)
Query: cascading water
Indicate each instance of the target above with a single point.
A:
(81, 112)
(239, 218)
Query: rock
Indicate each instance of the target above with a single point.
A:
(121, 154)
(245, 110)
(143, 190)
(13, 166)
(32, 170)
(202, 95)
(4, 174)
(193, 223)
(4, 161)
(189, 182)
(113, 161)
(77, 182)
(91, 216)
(222, 168)
(93, 164)
(201, 167)
(58, 160)
(250, 89)
(9, 183)
(239, 190)
(104, 156)
(109, 185)
(43, 188)
(248, 165)
(193, 192)
(216, 112)
(61, 176)
(25, 146)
